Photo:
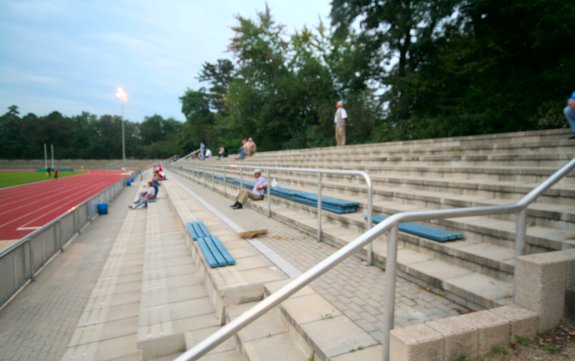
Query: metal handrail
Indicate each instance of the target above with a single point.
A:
(391, 224)
(320, 172)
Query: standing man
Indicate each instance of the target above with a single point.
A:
(340, 119)
(257, 193)
(570, 112)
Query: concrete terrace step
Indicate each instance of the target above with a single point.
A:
(550, 224)
(174, 299)
(526, 144)
(268, 335)
(555, 205)
(473, 257)
(235, 288)
(453, 261)
(107, 328)
(437, 174)
(371, 161)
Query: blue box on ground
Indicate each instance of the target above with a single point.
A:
(102, 208)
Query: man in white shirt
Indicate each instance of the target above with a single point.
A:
(257, 193)
(151, 193)
(340, 119)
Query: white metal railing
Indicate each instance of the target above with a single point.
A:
(319, 171)
(22, 260)
(390, 224)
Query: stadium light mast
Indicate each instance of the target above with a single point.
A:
(123, 96)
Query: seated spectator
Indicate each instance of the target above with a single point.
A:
(202, 150)
(222, 153)
(250, 147)
(159, 172)
(156, 185)
(242, 149)
(144, 197)
(208, 153)
(257, 193)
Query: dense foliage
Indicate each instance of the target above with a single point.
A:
(405, 69)
(85, 136)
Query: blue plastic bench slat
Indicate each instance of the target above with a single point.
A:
(223, 251)
(212, 262)
(192, 230)
(328, 200)
(204, 229)
(197, 230)
(422, 230)
(221, 261)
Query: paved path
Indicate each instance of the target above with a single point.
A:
(355, 289)
(40, 321)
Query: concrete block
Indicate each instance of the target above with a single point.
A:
(460, 337)
(523, 322)
(570, 292)
(541, 281)
(491, 328)
(416, 343)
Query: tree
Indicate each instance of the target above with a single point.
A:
(11, 138)
(199, 121)
(219, 76)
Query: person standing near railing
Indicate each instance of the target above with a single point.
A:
(257, 193)
(340, 119)
(569, 112)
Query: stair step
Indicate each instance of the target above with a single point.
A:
(174, 299)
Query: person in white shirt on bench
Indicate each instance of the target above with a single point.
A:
(257, 193)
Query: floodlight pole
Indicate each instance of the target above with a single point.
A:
(123, 96)
(123, 140)
(45, 157)
(52, 147)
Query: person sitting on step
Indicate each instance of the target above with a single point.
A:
(257, 193)
(144, 197)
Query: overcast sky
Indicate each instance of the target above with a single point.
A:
(71, 55)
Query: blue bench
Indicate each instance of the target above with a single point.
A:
(422, 230)
(329, 204)
(213, 249)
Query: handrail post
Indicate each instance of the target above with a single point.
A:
(389, 302)
(269, 194)
(31, 256)
(319, 205)
(369, 218)
(520, 233)
(225, 181)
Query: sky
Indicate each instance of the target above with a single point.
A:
(71, 56)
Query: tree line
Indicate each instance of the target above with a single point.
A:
(405, 69)
(85, 136)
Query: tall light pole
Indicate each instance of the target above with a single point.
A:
(123, 96)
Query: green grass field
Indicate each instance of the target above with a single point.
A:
(9, 179)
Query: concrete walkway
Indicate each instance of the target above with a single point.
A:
(40, 321)
(355, 289)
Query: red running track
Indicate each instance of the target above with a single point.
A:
(29, 207)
